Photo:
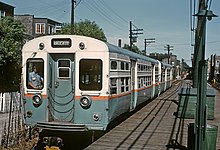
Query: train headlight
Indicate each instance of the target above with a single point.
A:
(37, 100)
(81, 46)
(41, 46)
(85, 102)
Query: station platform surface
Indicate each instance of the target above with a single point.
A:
(155, 127)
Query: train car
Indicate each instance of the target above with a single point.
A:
(77, 83)
(166, 76)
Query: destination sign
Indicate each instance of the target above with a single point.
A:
(61, 43)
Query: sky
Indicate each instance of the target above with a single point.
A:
(168, 21)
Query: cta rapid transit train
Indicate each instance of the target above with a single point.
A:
(77, 83)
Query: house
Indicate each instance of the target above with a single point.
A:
(214, 68)
(36, 27)
(6, 10)
(45, 26)
(28, 22)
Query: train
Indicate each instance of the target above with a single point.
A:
(83, 84)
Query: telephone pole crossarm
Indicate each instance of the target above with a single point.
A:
(146, 43)
(133, 34)
(168, 48)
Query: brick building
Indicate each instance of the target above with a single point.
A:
(6, 10)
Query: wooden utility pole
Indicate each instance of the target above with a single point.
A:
(72, 18)
(146, 43)
(168, 48)
(133, 38)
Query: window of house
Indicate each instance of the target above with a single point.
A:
(51, 29)
(2, 13)
(40, 28)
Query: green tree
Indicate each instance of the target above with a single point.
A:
(11, 35)
(86, 28)
(134, 48)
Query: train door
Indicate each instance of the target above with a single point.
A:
(61, 87)
(133, 81)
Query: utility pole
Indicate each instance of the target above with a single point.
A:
(133, 38)
(200, 74)
(168, 48)
(198, 54)
(72, 18)
(146, 43)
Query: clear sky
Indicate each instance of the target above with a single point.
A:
(168, 21)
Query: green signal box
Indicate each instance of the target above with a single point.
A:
(188, 100)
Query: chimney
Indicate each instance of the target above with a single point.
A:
(119, 42)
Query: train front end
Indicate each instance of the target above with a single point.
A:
(68, 93)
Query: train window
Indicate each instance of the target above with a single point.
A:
(122, 84)
(142, 68)
(64, 68)
(139, 67)
(127, 83)
(113, 65)
(127, 66)
(90, 74)
(122, 66)
(35, 73)
(113, 85)
(113, 82)
(145, 81)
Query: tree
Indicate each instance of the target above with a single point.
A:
(11, 35)
(86, 28)
(134, 48)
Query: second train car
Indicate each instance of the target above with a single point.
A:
(78, 83)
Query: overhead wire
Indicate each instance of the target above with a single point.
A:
(103, 11)
(109, 8)
(96, 11)
(100, 11)
(77, 3)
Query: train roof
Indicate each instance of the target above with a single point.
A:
(132, 55)
(166, 65)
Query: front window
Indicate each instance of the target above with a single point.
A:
(35, 74)
(90, 74)
(64, 68)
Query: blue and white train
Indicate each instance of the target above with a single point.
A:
(86, 83)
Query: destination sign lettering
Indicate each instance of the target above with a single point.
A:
(61, 43)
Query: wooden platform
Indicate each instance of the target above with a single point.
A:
(154, 127)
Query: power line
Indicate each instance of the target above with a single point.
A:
(97, 11)
(109, 8)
